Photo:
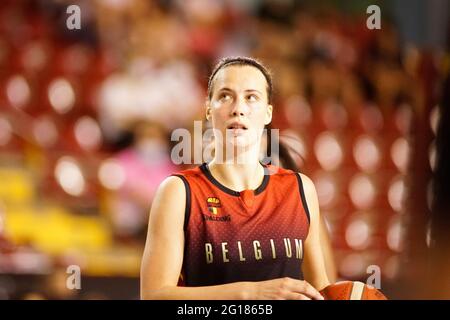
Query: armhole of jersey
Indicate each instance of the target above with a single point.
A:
(302, 195)
(187, 209)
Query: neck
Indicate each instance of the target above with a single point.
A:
(241, 172)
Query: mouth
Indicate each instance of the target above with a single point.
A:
(236, 126)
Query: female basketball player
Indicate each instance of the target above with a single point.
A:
(234, 228)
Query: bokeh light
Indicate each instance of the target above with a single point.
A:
(111, 174)
(362, 191)
(69, 176)
(396, 193)
(432, 155)
(18, 91)
(88, 133)
(435, 117)
(61, 95)
(400, 151)
(357, 234)
(394, 234)
(328, 151)
(366, 153)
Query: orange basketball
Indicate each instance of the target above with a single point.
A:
(351, 290)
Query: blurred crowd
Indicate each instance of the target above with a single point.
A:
(86, 118)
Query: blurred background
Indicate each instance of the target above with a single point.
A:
(86, 117)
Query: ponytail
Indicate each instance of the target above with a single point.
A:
(283, 158)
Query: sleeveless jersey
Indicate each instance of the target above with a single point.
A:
(252, 235)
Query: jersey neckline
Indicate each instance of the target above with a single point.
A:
(205, 169)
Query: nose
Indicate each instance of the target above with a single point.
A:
(239, 108)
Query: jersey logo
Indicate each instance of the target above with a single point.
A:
(215, 210)
(213, 205)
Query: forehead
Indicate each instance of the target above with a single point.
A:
(238, 78)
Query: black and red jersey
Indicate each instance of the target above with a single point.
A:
(252, 235)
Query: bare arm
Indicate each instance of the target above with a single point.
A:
(314, 263)
(327, 249)
(163, 257)
(163, 253)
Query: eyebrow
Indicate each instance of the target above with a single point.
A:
(248, 90)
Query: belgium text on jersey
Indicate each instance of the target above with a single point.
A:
(259, 250)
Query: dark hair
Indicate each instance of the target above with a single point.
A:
(241, 61)
(285, 159)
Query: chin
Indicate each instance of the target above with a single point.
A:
(243, 142)
(240, 142)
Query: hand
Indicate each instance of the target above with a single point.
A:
(284, 289)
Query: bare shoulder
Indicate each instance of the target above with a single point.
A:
(170, 199)
(172, 185)
(308, 185)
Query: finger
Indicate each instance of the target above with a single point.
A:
(296, 296)
(305, 288)
(312, 292)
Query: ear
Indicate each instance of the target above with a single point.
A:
(268, 114)
(208, 111)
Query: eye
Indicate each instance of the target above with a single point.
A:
(252, 97)
(224, 97)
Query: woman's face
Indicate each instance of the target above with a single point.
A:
(239, 107)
